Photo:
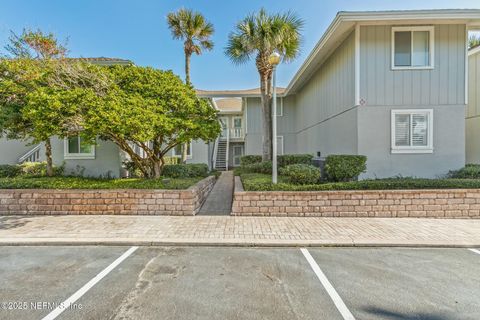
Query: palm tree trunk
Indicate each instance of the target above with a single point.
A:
(266, 116)
(187, 68)
(48, 155)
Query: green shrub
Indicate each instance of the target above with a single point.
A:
(10, 171)
(470, 171)
(344, 167)
(301, 173)
(250, 159)
(288, 159)
(260, 167)
(185, 170)
(263, 182)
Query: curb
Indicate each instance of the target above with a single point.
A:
(230, 243)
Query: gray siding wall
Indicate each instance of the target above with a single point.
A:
(199, 152)
(472, 121)
(375, 142)
(12, 150)
(285, 125)
(383, 89)
(443, 85)
(107, 160)
(325, 113)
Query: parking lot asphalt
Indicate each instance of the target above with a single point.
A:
(239, 283)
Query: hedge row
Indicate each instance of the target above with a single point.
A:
(261, 182)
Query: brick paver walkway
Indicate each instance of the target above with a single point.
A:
(219, 201)
(224, 230)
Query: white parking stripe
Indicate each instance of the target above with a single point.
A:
(475, 250)
(337, 300)
(77, 295)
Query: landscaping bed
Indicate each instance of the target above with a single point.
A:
(301, 192)
(145, 201)
(60, 182)
(263, 182)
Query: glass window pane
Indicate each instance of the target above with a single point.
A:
(73, 145)
(189, 149)
(237, 122)
(402, 130)
(85, 147)
(421, 49)
(403, 44)
(177, 151)
(419, 129)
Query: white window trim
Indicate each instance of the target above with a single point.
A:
(280, 108)
(431, 30)
(412, 149)
(189, 157)
(77, 156)
(283, 146)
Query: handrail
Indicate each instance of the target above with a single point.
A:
(226, 153)
(33, 155)
(215, 151)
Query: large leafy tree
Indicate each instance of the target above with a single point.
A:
(150, 109)
(257, 37)
(30, 61)
(195, 31)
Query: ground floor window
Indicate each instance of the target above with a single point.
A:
(177, 151)
(279, 145)
(412, 131)
(76, 147)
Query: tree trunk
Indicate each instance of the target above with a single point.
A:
(48, 155)
(266, 116)
(187, 67)
(158, 168)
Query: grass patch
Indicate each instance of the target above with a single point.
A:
(26, 182)
(262, 182)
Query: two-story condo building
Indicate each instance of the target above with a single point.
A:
(391, 85)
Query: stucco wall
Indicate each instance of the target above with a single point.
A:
(107, 160)
(374, 141)
(12, 150)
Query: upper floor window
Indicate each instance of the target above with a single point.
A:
(412, 131)
(412, 47)
(76, 148)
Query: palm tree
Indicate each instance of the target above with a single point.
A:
(191, 27)
(258, 36)
(195, 31)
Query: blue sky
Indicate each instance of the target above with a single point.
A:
(137, 30)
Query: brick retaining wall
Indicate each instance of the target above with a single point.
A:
(446, 203)
(125, 202)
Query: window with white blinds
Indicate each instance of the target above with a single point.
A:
(412, 131)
